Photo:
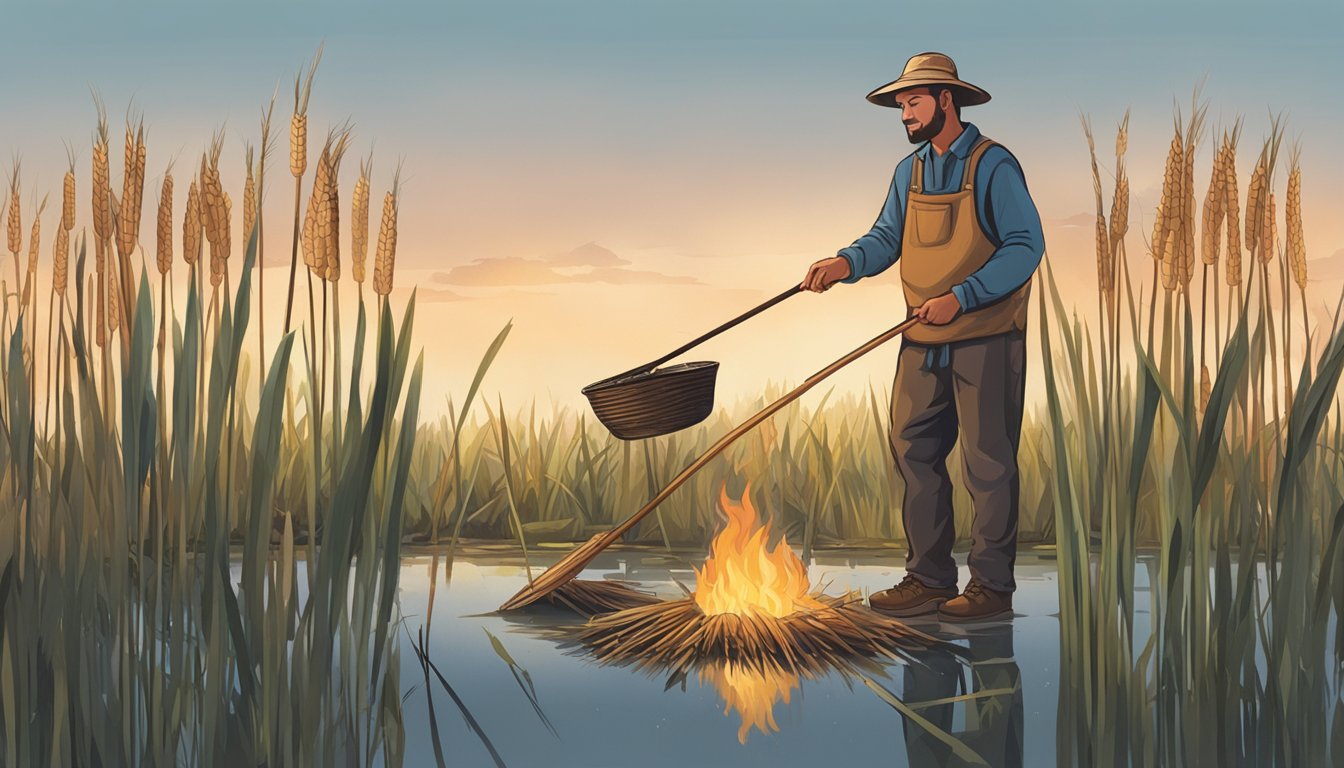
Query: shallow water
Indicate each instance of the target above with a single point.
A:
(617, 716)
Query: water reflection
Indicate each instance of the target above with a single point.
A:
(750, 692)
(992, 706)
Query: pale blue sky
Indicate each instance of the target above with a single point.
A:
(666, 132)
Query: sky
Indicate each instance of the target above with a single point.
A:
(616, 177)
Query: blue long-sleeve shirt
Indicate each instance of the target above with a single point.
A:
(1002, 204)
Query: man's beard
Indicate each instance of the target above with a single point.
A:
(928, 130)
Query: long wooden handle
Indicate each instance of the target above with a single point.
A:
(746, 426)
(754, 311)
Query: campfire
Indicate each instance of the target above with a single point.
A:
(753, 607)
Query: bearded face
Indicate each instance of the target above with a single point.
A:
(920, 113)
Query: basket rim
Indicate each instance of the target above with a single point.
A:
(619, 381)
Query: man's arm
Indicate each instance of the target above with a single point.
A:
(1014, 223)
(872, 253)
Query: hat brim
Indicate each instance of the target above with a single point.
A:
(967, 95)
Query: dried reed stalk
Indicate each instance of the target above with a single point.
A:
(676, 633)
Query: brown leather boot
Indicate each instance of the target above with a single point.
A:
(977, 603)
(910, 598)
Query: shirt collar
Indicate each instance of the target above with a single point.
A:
(961, 147)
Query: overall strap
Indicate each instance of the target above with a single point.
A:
(973, 160)
(917, 175)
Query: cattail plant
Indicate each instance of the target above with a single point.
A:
(102, 231)
(163, 257)
(267, 145)
(14, 228)
(1232, 209)
(1160, 243)
(359, 224)
(1119, 227)
(298, 163)
(1296, 245)
(1211, 230)
(322, 240)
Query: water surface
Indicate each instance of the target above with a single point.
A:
(616, 716)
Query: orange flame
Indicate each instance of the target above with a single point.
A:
(742, 577)
(750, 692)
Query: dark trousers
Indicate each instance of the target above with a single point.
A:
(977, 387)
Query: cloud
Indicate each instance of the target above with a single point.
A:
(506, 270)
(437, 294)
(594, 264)
(588, 255)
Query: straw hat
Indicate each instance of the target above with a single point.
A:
(929, 69)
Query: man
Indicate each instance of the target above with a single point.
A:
(959, 219)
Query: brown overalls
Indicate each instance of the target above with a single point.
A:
(968, 373)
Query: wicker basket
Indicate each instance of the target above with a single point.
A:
(656, 402)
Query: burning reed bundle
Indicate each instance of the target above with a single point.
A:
(751, 606)
(677, 633)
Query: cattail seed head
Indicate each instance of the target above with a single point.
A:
(359, 227)
(164, 252)
(1104, 254)
(328, 222)
(61, 261)
(1212, 224)
(298, 144)
(1255, 205)
(314, 251)
(212, 201)
(191, 226)
(68, 202)
(386, 256)
(1232, 207)
(1119, 210)
(132, 192)
(15, 230)
(1269, 233)
(1187, 220)
(102, 191)
(1296, 246)
(34, 242)
(113, 300)
(249, 201)
(226, 230)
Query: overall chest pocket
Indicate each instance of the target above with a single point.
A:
(933, 222)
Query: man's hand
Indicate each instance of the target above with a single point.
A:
(940, 310)
(825, 273)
